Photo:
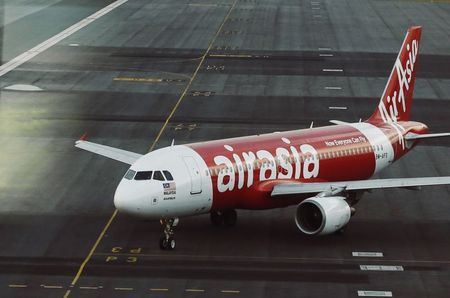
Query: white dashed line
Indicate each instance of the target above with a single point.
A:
(74, 45)
(324, 49)
(230, 292)
(17, 286)
(332, 70)
(123, 289)
(326, 55)
(337, 108)
(317, 16)
(380, 268)
(159, 290)
(333, 88)
(24, 57)
(194, 290)
(51, 287)
(374, 293)
(370, 254)
(89, 288)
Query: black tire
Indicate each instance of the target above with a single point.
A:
(163, 243)
(216, 218)
(230, 218)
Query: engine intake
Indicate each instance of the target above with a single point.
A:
(322, 215)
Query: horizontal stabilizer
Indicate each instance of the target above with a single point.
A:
(127, 157)
(413, 136)
(319, 187)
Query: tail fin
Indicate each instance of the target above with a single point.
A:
(395, 103)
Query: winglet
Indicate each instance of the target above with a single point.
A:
(82, 138)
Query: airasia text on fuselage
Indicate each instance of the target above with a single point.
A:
(290, 162)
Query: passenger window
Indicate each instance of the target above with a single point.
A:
(130, 174)
(146, 175)
(158, 176)
(168, 175)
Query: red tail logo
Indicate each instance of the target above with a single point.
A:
(395, 103)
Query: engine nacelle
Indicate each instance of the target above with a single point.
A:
(322, 215)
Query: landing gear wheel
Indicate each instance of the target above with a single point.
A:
(171, 243)
(230, 218)
(216, 218)
(167, 241)
(163, 243)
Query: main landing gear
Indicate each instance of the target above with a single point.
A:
(167, 240)
(226, 217)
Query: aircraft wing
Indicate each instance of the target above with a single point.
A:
(319, 187)
(127, 157)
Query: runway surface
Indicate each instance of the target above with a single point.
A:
(212, 69)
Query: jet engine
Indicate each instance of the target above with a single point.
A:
(322, 215)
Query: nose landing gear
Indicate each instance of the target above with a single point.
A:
(167, 240)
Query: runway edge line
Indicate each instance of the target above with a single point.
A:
(45, 45)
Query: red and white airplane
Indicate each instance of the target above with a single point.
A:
(324, 170)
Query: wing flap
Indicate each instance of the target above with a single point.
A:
(318, 187)
(124, 156)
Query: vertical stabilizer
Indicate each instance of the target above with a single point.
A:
(395, 103)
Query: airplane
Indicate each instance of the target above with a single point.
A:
(322, 170)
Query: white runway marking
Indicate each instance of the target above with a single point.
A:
(73, 45)
(337, 108)
(51, 287)
(326, 55)
(333, 88)
(23, 87)
(374, 293)
(380, 268)
(89, 288)
(24, 57)
(324, 49)
(332, 70)
(370, 254)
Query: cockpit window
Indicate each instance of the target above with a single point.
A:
(168, 175)
(146, 175)
(130, 174)
(158, 176)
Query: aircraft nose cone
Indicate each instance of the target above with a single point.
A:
(120, 197)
